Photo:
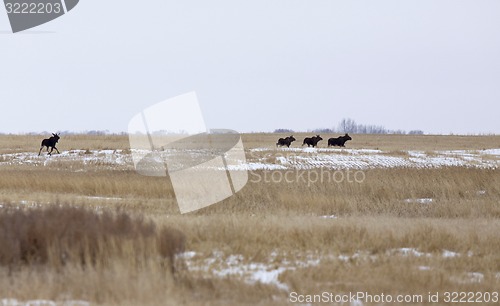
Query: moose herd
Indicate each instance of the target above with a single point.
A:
(340, 141)
(313, 141)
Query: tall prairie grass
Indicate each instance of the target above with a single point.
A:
(354, 229)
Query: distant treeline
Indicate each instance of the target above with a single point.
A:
(350, 126)
(66, 133)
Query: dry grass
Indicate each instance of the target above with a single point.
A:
(373, 220)
(15, 143)
(68, 244)
(27, 143)
(385, 142)
(57, 236)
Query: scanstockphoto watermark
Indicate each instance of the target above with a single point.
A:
(309, 177)
(361, 297)
(356, 298)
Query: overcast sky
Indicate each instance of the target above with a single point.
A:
(258, 65)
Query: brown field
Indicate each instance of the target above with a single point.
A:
(402, 230)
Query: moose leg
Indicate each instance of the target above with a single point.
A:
(56, 150)
(39, 152)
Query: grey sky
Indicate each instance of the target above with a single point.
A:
(258, 65)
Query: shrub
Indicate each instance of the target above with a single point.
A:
(56, 236)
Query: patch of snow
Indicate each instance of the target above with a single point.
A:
(491, 152)
(107, 152)
(281, 159)
(97, 157)
(9, 302)
(76, 303)
(450, 254)
(322, 150)
(405, 252)
(309, 150)
(28, 203)
(424, 268)
(344, 258)
(260, 149)
(362, 151)
(329, 217)
(359, 255)
(419, 154)
(469, 278)
(475, 277)
(254, 166)
(15, 302)
(310, 261)
(186, 255)
(235, 265)
(269, 278)
(252, 272)
(356, 303)
(409, 252)
(420, 201)
(101, 198)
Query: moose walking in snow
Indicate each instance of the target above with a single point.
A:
(285, 141)
(339, 141)
(50, 143)
(312, 141)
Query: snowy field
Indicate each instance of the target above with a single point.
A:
(278, 159)
(311, 158)
(83, 157)
(272, 268)
(231, 266)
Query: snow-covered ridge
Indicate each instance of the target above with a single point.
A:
(311, 158)
(280, 159)
(83, 157)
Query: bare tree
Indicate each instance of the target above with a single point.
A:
(348, 126)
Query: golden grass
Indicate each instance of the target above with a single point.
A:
(385, 142)
(374, 219)
(26, 143)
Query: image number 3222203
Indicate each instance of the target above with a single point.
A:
(25, 14)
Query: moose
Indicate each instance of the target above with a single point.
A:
(312, 141)
(285, 141)
(339, 141)
(50, 143)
